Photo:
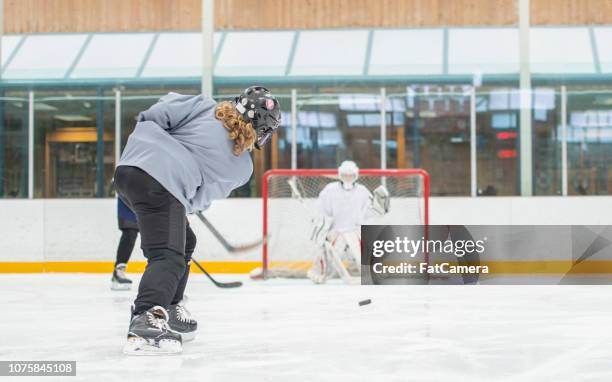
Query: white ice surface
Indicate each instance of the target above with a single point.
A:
(293, 331)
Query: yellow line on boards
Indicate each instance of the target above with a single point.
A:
(107, 267)
(495, 267)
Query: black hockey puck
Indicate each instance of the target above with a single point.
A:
(365, 302)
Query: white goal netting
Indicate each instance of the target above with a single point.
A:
(288, 251)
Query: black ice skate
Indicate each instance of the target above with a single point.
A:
(119, 280)
(150, 334)
(181, 321)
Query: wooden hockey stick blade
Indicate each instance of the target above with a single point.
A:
(219, 284)
(236, 249)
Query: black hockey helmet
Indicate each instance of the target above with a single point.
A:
(257, 106)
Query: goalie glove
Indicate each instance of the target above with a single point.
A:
(381, 201)
(320, 229)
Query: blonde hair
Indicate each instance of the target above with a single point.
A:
(241, 132)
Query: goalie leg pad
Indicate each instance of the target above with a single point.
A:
(321, 268)
(351, 244)
(336, 262)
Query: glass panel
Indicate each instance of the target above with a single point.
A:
(327, 53)
(589, 147)
(406, 52)
(70, 159)
(13, 145)
(545, 123)
(429, 127)
(177, 55)
(8, 45)
(113, 55)
(497, 132)
(268, 54)
(483, 50)
(561, 50)
(332, 128)
(45, 56)
(603, 39)
(283, 135)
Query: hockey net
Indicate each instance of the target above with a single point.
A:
(288, 250)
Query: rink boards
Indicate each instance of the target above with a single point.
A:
(80, 235)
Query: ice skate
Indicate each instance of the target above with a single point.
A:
(180, 320)
(150, 334)
(119, 280)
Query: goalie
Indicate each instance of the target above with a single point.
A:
(343, 206)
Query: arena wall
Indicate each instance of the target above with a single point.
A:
(81, 235)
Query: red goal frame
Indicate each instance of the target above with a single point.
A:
(331, 172)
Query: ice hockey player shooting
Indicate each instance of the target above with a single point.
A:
(344, 206)
(185, 152)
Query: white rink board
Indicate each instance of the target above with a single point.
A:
(22, 230)
(86, 229)
(283, 330)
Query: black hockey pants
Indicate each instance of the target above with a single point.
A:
(166, 238)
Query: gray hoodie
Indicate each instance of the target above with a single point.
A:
(180, 143)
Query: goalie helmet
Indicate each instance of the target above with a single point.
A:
(257, 106)
(348, 172)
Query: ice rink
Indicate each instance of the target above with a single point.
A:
(284, 330)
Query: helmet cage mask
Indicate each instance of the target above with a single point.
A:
(348, 180)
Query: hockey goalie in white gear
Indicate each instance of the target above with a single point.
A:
(343, 206)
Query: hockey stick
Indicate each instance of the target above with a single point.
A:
(219, 284)
(234, 249)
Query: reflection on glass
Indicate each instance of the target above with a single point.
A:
(428, 127)
(70, 157)
(337, 127)
(74, 134)
(13, 145)
(497, 134)
(589, 147)
(546, 117)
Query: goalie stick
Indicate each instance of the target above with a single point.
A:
(219, 284)
(233, 249)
